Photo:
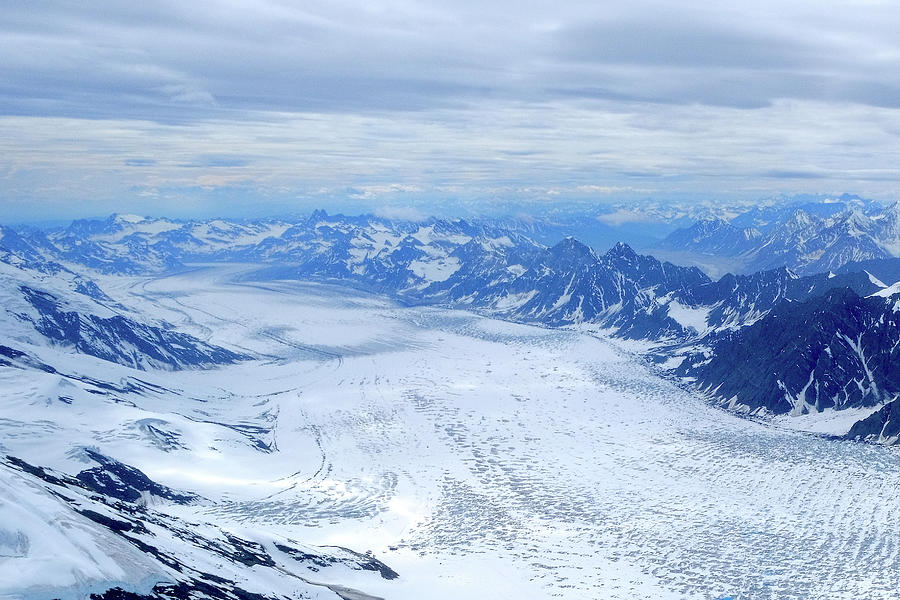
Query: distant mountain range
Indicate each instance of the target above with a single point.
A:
(806, 238)
(768, 342)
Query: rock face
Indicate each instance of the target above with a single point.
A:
(120, 339)
(116, 480)
(834, 351)
(882, 426)
(738, 300)
(886, 270)
(713, 236)
(569, 283)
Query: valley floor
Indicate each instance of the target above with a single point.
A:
(478, 458)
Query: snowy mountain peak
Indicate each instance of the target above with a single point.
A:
(799, 220)
(713, 236)
(889, 229)
(892, 212)
(572, 248)
(622, 250)
(128, 218)
(317, 215)
(856, 221)
(808, 238)
(711, 223)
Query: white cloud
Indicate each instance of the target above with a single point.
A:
(496, 154)
(402, 213)
(466, 99)
(368, 192)
(188, 94)
(622, 216)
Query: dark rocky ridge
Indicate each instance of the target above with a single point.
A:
(838, 351)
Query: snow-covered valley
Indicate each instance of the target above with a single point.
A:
(477, 458)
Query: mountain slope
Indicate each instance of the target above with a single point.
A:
(117, 338)
(47, 302)
(569, 283)
(712, 236)
(836, 351)
(79, 541)
(811, 238)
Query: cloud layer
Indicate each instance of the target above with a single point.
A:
(219, 102)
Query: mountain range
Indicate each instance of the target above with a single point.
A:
(720, 335)
(800, 238)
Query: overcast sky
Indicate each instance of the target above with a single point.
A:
(209, 107)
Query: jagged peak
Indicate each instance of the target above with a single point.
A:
(702, 227)
(317, 215)
(854, 222)
(711, 222)
(621, 249)
(800, 217)
(570, 248)
(891, 212)
(855, 215)
(782, 272)
(778, 273)
(127, 218)
(839, 295)
(570, 242)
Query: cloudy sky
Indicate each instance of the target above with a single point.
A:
(236, 107)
